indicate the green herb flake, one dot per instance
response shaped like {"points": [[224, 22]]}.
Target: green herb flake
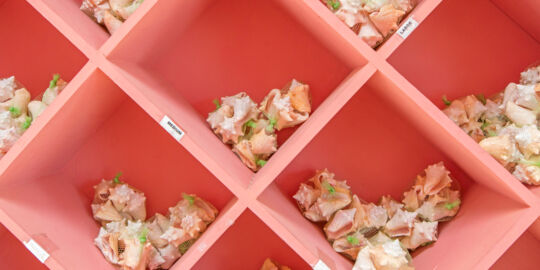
{"points": [[250, 124], [183, 248], [52, 83], [116, 178], [15, 112], [143, 237], [452, 205], [446, 101], [188, 198], [352, 240], [485, 124], [529, 162], [328, 187], [427, 243], [271, 125], [333, 4], [216, 102], [261, 162], [482, 98], [491, 133], [27, 123]]}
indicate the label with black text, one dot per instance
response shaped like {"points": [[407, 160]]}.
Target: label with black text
{"points": [[406, 29], [171, 128]]}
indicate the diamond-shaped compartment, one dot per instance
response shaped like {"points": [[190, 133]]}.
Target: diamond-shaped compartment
{"points": [[219, 48], [48, 195], [379, 149], [246, 244]]}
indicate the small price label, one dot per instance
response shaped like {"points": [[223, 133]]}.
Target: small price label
{"points": [[406, 29], [171, 128], [321, 266], [37, 250]]}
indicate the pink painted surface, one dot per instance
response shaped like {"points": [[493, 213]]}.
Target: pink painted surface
{"points": [[525, 13], [522, 255], [481, 51], [45, 52], [375, 124], [246, 245], [14, 254], [109, 136], [391, 152], [457, 56], [206, 42]]}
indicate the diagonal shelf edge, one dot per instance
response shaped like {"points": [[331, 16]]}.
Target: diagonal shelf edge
{"points": [[290, 149], [419, 14], [111, 43], [535, 227], [511, 236], [157, 114], [460, 139], [24, 237], [46, 116], [444, 127], [457, 143], [330, 19], [258, 209], [64, 28], [225, 220]]}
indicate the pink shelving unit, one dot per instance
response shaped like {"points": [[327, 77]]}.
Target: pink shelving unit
{"points": [[376, 123]]}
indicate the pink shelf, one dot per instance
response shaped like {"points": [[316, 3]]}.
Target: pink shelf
{"points": [[391, 152], [521, 255], [376, 123], [236, 249], [14, 255]]}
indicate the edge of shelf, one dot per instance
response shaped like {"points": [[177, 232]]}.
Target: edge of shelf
{"points": [[294, 145], [419, 14]]}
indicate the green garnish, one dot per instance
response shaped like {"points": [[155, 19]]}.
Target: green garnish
{"points": [[261, 162], [487, 133], [15, 112], [53, 82], [452, 205], [116, 178], [27, 123], [271, 125], [247, 124], [528, 162], [188, 198], [216, 102], [328, 187], [427, 243], [143, 237], [446, 101], [251, 124], [352, 240], [333, 4], [183, 248], [481, 98], [485, 124]]}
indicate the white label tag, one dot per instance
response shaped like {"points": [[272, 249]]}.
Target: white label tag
{"points": [[321, 266], [406, 29], [37, 250], [172, 128]]}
